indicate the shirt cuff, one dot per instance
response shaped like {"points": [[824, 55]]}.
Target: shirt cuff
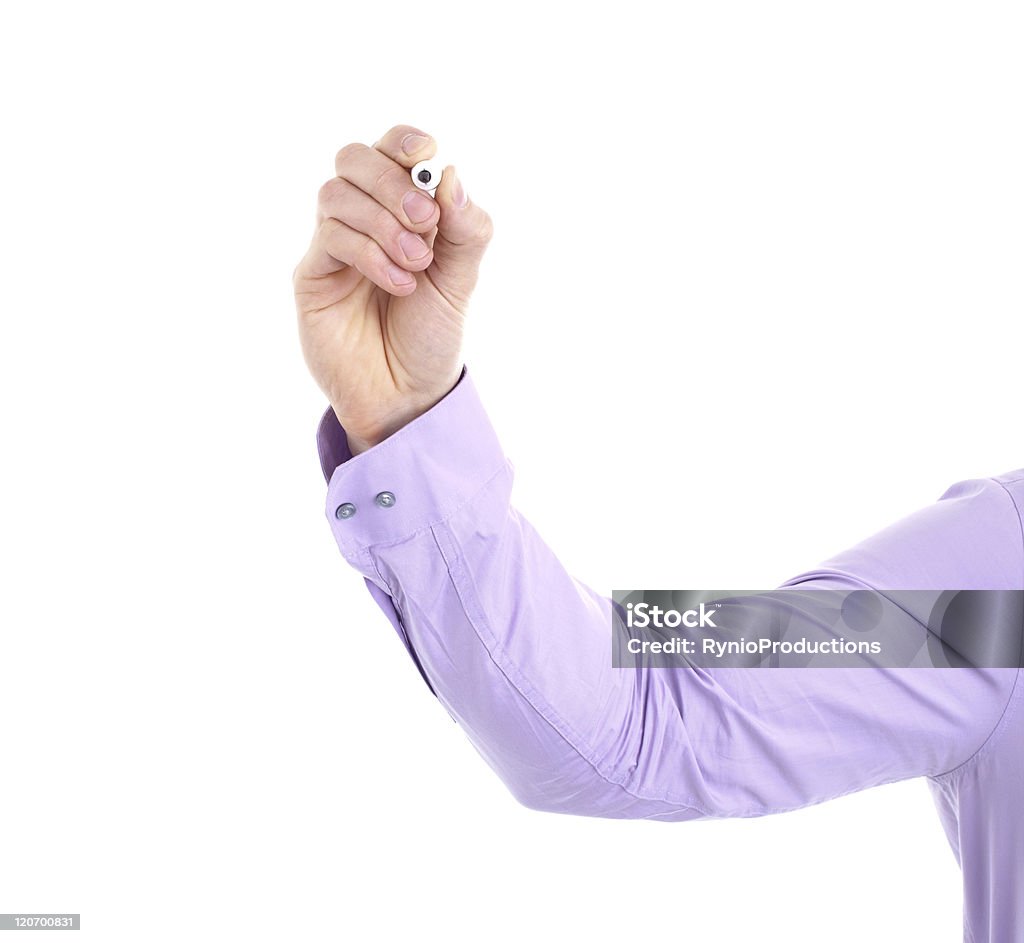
{"points": [[415, 478]]}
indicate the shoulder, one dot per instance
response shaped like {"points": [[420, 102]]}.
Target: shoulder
{"points": [[970, 537], [1012, 482]]}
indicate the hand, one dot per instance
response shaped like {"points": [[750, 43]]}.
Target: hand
{"points": [[383, 290]]}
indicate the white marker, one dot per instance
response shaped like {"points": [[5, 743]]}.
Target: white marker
{"points": [[427, 174]]}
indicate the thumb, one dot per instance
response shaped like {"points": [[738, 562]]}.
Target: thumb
{"points": [[464, 231]]}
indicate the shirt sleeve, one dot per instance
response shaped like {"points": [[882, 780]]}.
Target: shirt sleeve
{"points": [[518, 650]]}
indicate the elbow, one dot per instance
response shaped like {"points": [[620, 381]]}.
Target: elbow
{"points": [[556, 780], [579, 788]]}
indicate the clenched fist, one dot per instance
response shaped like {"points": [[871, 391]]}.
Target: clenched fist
{"points": [[383, 290]]}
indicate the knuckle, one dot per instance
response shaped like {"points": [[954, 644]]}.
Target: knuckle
{"points": [[348, 151], [326, 230], [389, 177], [485, 230], [367, 256], [384, 222], [330, 191]]}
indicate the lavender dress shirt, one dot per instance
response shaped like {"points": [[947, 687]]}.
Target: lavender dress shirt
{"points": [[518, 652]]}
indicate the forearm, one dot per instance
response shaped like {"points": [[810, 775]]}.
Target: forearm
{"points": [[515, 648]]}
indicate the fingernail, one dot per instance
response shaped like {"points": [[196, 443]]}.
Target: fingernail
{"points": [[412, 142], [413, 247], [400, 276], [418, 207], [458, 193]]}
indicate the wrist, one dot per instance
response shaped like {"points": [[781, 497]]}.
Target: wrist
{"points": [[357, 445], [363, 436], [361, 439]]}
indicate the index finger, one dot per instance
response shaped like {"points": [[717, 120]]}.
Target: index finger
{"points": [[407, 145]]}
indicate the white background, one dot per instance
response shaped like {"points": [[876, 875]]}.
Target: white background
{"points": [[788, 235]]}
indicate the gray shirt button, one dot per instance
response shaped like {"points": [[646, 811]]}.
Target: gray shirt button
{"points": [[344, 511], [385, 499]]}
